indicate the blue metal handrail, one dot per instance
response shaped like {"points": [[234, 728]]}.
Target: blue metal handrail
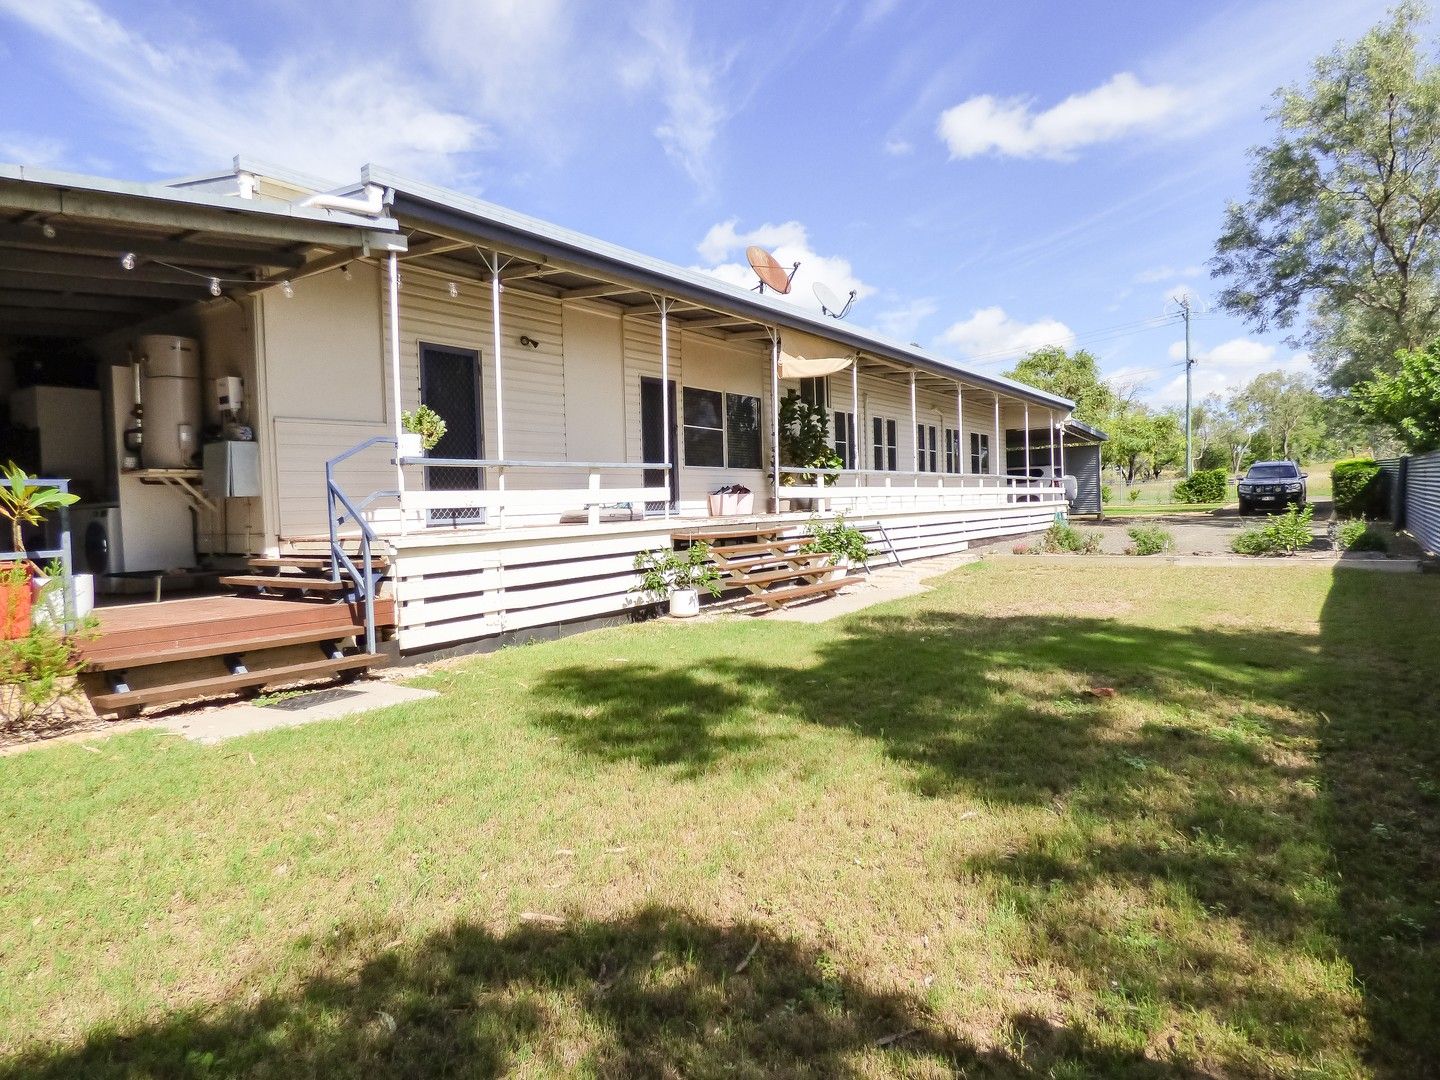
{"points": [[49, 554], [364, 580]]}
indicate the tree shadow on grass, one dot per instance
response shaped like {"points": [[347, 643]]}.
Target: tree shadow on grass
{"points": [[1201, 805], [658, 994]]}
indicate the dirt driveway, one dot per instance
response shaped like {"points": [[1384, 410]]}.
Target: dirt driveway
{"points": [[1195, 534]]}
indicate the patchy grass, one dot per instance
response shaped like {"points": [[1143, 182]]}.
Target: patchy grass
{"points": [[908, 842], [1153, 509]]}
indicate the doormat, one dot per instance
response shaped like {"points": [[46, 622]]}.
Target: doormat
{"points": [[311, 698]]}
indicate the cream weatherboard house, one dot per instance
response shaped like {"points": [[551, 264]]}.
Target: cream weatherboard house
{"points": [[594, 398]]}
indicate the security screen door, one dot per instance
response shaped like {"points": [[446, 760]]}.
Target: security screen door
{"points": [[450, 384]]}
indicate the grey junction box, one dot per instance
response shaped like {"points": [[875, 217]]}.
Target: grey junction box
{"points": [[232, 470]]}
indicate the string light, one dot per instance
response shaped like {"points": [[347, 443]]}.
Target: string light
{"points": [[454, 290], [214, 286], [128, 260], [288, 290], [345, 273], [48, 231]]}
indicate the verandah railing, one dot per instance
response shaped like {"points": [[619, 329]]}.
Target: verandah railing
{"points": [[869, 490]]}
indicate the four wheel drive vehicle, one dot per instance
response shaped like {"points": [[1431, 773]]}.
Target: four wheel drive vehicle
{"points": [[1272, 484]]}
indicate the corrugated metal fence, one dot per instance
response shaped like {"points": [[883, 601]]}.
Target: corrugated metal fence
{"points": [[1419, 479]]}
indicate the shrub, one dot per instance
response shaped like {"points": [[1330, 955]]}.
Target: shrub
{"points": [[1205, 486], [1357, 488], [1062, 537], [839, 540], [666, 571], [38, 671], [1151, 540], [1282, 535], [1358, 536], [1107, 493], [1133, 494]]}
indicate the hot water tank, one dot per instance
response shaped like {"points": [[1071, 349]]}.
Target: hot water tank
{"points": [[170, 396]]}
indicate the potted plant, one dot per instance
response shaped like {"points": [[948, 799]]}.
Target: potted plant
{"points": [[678, 575], [423, 430], [844, 543], [22, 502], [805, 442]]}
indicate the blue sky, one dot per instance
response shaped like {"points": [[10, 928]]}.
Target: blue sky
{"points": [[989, 177]]}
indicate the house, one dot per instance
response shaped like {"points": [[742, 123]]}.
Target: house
{"points": [[594, 398]]}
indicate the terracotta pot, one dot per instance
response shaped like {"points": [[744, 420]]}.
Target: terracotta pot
{"points": [[15, 604]]}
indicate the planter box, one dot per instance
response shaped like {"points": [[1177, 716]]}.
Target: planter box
{"points": [[731, 505]]}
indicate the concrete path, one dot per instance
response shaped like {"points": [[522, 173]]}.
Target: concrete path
{"points": [[327, 703]]}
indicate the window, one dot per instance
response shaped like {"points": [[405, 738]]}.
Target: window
{"points": [[979, 452], [742, 431], [926, 448], [721, 429], [886, 444], [845, 448], [704, 428], [952, 451], [815, 392]]}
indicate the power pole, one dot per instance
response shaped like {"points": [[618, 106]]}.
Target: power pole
{"points": [[1184, 302]]}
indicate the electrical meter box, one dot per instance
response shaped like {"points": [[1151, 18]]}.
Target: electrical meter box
{"points": [[232, 470]]}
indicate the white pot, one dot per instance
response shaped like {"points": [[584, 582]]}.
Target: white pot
{"points": [[684, 603], [411, 445]]}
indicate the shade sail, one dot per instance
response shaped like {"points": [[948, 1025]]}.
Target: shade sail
{"points": [[805, 356]]}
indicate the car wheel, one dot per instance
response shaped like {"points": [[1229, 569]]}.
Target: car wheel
{"points": [[1244, 508]]}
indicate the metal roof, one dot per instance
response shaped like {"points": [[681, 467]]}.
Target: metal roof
{"points": [[1086, 430], [520, 233]]}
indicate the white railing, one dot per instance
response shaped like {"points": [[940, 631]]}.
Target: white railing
{"points": [[871, 490], [502, 503]]}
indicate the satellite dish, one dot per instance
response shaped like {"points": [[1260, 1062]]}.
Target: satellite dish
{"points": [[830, 303], [768, 269]]}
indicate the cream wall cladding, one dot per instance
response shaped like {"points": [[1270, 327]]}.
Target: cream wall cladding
{"points": [[594, 385], [733, 368]]}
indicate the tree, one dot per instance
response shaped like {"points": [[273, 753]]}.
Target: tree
{"points": [[1071, 375], [1285, 406], [1409, 400], [1341, 223]]}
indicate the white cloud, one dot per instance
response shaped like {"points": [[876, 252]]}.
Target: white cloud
{"points": [[1223, 369], [789, 243], [24, 149], [899, 147], [1008, 127], [901, 323], [688, 82], [990, 334], [194, 99], [1161, 273]]}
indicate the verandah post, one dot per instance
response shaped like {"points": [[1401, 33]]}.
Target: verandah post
{"points": [[393, 281], [495, 289], [669, 479], [775, 411]]}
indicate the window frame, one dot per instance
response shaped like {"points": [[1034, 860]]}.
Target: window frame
{"points": [[953, 460], [724, 429], [885, 443], [926, 448], [980, 451], [842, 438]]}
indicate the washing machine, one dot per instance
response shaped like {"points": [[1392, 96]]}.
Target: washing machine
{"points": [[95, 541]]}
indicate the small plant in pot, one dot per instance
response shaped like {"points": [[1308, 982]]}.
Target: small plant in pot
{"points": [[844, 543], [678, 576], [22, 502], [423, 430]]}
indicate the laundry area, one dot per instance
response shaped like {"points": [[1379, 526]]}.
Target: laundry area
{"points": [[129, 365]]}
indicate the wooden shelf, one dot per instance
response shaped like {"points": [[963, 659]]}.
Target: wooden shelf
{"points": [[186, 481]]}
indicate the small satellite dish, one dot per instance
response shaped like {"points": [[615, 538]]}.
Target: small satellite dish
{"points": [[830, 303], [768, 269]]}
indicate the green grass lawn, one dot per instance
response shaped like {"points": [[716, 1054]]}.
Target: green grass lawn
{"points": [[904, 843]]}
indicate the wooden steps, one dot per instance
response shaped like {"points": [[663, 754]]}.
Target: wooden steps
{"points": [[767, 577], [301, 583], [776, 598], [123, 700], [198, 647], [312, 563]]}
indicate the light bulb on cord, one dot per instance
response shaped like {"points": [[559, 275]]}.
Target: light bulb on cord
{"points": [[288, 290], [454, 290], [214, 286], [345, 273], [48, 231], [128, 260]]}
